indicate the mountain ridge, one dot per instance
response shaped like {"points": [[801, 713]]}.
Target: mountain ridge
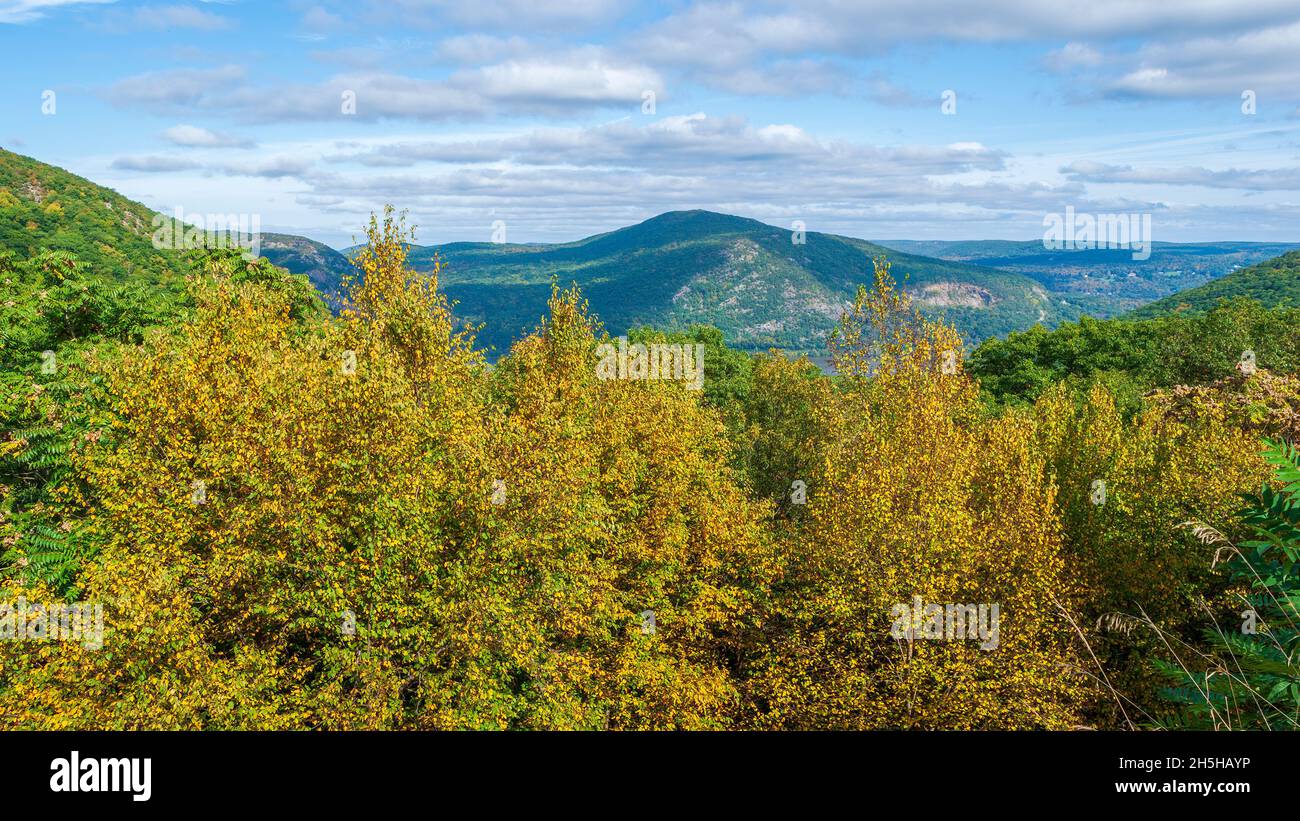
{"points": [[1274, 283], [45, 207], [763, 285], [751, 279]]}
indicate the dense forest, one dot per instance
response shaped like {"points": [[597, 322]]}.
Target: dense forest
{"points": [[1274, 282], [298, 518]]}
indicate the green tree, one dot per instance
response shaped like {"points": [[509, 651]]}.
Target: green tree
{"points": [[1247, 676]]}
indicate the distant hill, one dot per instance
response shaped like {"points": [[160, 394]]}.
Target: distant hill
{"points": [[45, 207], [744, 276], [689, 267], [1107, 280], [1274, 283], [994, 251], [320, 263]]}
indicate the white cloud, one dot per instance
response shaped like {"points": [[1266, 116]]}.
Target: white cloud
{"points": [[864, 25], [691, 144], [321, 20], [480, 48], [177, 89], [582, 80], [274, 168], [1266, 61], [120, 20], [155, 164], [1072, 56], [194, 137], [541, 82], [1208, 45], [25, 11], [162, 18], [500, 13], [1269, 179]]}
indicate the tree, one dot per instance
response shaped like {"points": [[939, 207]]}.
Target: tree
{"points": [[917, 495], [1248, 676]]}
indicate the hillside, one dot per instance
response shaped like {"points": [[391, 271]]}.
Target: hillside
{"points": [[1108, 280], [1274, 283], [320, 263], [43, 207], [689, 267], [744, 276]]}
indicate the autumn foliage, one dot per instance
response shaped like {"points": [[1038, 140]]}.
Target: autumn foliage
{"points": [[305, 521]]}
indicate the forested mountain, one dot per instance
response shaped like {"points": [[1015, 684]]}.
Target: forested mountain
{"points": [[1108, 281], [1274, 283], [324, 266], [45, 208], [751, 279]]}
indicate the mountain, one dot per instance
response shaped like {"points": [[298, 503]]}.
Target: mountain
{"points": [[746, 277], [1274, 283], [43, 207], [689, 267], [1108, 280], [325, 267]]}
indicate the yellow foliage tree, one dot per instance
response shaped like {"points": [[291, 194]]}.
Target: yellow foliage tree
{"points": [[1127, 491], [918, 496], [307, 521], [353, 524]]}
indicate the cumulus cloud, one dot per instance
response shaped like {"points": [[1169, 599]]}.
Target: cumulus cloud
{"points": [[1266, 61], [154, 164], [732, 46], [1272, 179], [190, 136], [583, 80], [26, 11]]}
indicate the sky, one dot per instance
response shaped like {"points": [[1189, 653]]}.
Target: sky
{"points": [[557, 120]]}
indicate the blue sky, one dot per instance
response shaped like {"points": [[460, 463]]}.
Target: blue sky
{"points": [[824, 111]]}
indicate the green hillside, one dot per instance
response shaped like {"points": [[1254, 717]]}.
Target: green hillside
{"points": [[1107, 280], [1194, 337], [744, 276], [320, 263], [1273, 283], [45, 208]]}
